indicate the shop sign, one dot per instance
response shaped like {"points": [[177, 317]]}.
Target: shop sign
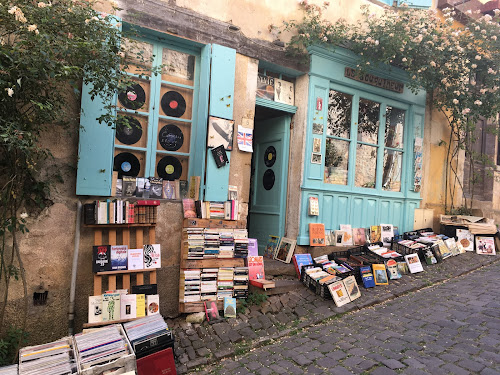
{"points": [[373, 80]]}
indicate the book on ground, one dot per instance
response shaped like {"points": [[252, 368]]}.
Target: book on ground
{"points": [[413, 262], [466, 239], [229, 307], [339, 293], [380, 274], [367, 276], [485, 245], [256, 268], [352, 288], [285, 250], [300, 260], [272, 245]]}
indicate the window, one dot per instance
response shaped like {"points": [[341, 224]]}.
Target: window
{"points": [[371, 139]]}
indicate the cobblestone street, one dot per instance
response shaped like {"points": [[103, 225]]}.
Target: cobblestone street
{"points": [[448, 328]]}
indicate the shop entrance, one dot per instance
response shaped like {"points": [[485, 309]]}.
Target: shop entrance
{"points": [[268, 186]]}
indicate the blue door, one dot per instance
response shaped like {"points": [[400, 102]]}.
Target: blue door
{"points": [[269, 179]]}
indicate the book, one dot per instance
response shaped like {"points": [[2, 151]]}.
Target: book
{"points": [[156, 187], [189, 208], [339, 238], [347, 238], [146, 289], [316, 234], [229, 307], [211, 311], [387, 233], [256, 267], [443, 249], [128, 186], [253, 248], [429, 257], [135, 259], [140, 304], [403, 268], [272, 245], [220, 156], [285, 250], [119, 257], [194, 188], [183, 189], [380, 274], [159, 362], [168, 191], [95, 309], [339, 293], [128, 306], [352, 287], [265, 87], [101, 258], [232, 193], [393, 270], [139, 189], [110, 307], [466, 239], [152, 256], [451, 244], [367, 276], [485, 245], [413, 262], [153, 304], [263, 283], [313, 206], [359, 236], [300, 260], [375, 234]]}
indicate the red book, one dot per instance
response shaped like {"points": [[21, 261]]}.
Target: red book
{"points": [[256, 268], [153, 202], [316, 234], [131, 213], [161, 362]]}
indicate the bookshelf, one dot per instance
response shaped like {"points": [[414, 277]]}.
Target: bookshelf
{"points": [[191, 307], [121, 234]]}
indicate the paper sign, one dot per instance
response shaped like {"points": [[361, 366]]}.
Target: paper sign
{"points": [[245, 136]]}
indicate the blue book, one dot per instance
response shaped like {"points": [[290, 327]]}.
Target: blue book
{"points": [[119, 260], [300, 260], [229, 307], [367, 276]]}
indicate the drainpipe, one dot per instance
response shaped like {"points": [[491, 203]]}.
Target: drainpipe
{"points": [[71, 312]]}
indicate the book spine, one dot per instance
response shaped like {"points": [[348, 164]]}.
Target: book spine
{"points": [[131, 218]]}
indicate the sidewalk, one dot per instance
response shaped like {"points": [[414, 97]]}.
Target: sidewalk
{"points": [[281, 315]]}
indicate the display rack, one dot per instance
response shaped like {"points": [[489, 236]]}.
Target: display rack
{"points": [[191, 307], [121, 234]]}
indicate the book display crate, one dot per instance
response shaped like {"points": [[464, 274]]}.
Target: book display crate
{"points": [[200, 264], [122, 234]]}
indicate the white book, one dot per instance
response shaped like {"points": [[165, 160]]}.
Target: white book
{"points": [[128, 306], [387, 233], [339, 293], [135, 259], [413, 262], [95, 309], [152, 256], [347, 238], [466, 239], [153, 304]]}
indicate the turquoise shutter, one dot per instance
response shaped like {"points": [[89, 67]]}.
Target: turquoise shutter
{"points": [[95, 147], [221, 105], [416, 3]]}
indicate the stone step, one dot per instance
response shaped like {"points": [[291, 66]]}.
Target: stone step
{"points": [[282, 286], [274, 267]]}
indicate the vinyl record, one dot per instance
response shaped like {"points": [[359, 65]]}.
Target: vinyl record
{"points": [[173, 104], [171, 137], [169, 168], [128, 130], [126, 164], [270, 156], [133, 97], [268, 179]]}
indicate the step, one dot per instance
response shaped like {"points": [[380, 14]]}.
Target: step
{"points": [[274, 267], [282, 286]]}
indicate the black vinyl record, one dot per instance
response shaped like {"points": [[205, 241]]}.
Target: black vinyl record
{"points": [[173, 104], [126, 164], [169, 168], [268, 179], [128, 130], [270, 156], [171, 137], [133, 97]]}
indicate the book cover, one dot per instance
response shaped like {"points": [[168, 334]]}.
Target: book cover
{"points": [[313, 206], [285, 250], [375, 234], [119, 257], [153, 304], [229, 307], [211, 311], [265, 87], [135, 259], [413, 262], [183, 189], [140, 304], [466, 239], [256, 267], [367, 276], [387, 233], [283, 92], [380, 274], [300, 260], [161, 362], [168, 191], [146, 289], [101, 258], [95, 309], [339, 293], [253, 248], [110, 307], [232, 193], [316, 234], [403, 268], [352, 288], [359, 236], [347, 238], [393, 270], [451, 244], [128, 306], [338, 237], [272, 245], [189, 208], [194, 187], [156, 187], [485, 245], [147, 202], [443, 249], [220, 156], [128, 186], [139, 189], [429, 256], [152, 256]]}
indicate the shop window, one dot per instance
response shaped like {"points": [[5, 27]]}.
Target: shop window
{"points": [[409, 3]]}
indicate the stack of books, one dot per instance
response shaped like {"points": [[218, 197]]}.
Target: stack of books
{"points": [[240, 243], [190, 284], [226, 243], [209, 284], [101, 346], [216, 210], [240, 282], [195, 241], [211, 248], [148, 335], [121, 211], [225, 284], [56, 357]]}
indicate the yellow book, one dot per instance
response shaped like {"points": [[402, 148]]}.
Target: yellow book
{"points": [[380, 274], [141, 305]]}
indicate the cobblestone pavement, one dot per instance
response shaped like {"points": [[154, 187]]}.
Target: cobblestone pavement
{"points": [[448, 328]]}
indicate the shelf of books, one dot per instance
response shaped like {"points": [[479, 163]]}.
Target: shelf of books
{"points": [[119, 268], [213, 256]]}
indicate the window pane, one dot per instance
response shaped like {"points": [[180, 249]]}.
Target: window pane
{"points": [[368, 121], [178, 67], [336, 161], [394, 124], [139, 56], [339, 114], [366, 166], [391, 178]]}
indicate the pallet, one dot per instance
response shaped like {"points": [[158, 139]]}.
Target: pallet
{"points": [[214, 223]]}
